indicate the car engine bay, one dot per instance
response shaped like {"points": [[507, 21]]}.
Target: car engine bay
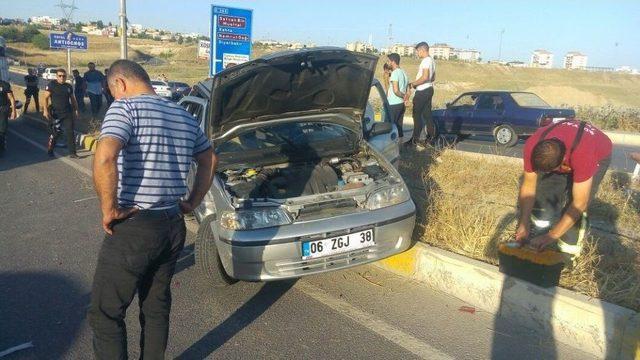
{"points": [[289, 180]]}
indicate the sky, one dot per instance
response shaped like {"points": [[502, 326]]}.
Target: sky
{"points": [[607, 32]]}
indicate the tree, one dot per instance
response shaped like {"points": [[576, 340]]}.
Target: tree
{"points": [[40, 41], [180, 40], [100, 24]]}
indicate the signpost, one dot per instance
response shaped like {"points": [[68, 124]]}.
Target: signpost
{"points": [[204, 49], [69, 41], [230, 37]]}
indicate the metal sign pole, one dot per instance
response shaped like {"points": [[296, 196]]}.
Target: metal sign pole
{"points": [[68, 61], [123, 28]]}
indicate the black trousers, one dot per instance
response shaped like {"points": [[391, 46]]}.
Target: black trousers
{"points": [[397, 116], [5, 111], [554, 195], [96, 103], [67, 120], [139, 257], [422, 114], [80, 99], [28, 94]]}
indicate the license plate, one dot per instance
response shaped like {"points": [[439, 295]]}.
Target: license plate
{"points": [[337, 245]]}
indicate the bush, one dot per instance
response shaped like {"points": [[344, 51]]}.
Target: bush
{"points": [[16, 34], [40, 41]]}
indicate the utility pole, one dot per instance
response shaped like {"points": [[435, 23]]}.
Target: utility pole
{"points": [[67, 11], [500, 47], [123, 29]]}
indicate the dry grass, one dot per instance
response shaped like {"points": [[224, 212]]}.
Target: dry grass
{"points": [[468, 206]]}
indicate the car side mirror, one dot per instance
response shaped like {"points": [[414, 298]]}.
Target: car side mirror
{"points": [[18, 104], [448, 105], [381, 128]]}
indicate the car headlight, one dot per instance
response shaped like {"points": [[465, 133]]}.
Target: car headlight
{"points": [[388, 196], [254, 219]]}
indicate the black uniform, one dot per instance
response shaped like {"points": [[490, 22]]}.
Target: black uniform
{"points": [[79, 91], [61, 110], [31, 82], [5, 110]]}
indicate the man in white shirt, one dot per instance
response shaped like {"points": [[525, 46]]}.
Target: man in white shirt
{"points": [[424, 94]]}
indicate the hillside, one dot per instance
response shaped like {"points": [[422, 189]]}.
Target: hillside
{"points": [[558, 87]]}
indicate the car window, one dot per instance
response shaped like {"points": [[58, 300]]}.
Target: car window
{"points": [[375, 106], [193, 109], [490, 102], [160, 83], [468, 100], [529, 100]]}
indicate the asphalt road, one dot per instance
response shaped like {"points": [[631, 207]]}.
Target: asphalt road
{"points": [[50, 236]]}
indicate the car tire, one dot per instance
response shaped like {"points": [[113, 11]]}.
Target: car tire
{"points": [[504, 135], [208, 259]]}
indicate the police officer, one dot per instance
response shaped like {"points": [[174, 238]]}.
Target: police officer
{"points": [[564, 164], [31, 82], [64, 107], [7, 110]]}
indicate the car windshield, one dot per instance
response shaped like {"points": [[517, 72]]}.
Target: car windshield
{"points": [[529, 100], [301, 141], [158, 83]]}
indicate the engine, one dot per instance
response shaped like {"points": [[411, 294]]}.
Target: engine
{"points": [[293, 180]]}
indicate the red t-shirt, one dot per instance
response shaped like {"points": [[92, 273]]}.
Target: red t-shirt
{"points": [[593, 147]]}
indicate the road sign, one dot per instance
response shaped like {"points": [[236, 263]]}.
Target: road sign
{"points": [[230, 37], [68, 40], [204, 49]]}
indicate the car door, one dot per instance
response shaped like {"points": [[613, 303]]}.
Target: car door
{"points": [[197, 107], [459, 114], [488, 113], [377, 126]]}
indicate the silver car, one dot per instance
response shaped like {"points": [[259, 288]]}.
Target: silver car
{"points": [[305, 181]]}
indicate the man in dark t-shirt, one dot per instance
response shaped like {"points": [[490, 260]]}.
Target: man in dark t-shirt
{"points": [[80, 87], [31, 91], [564, 164], [7, 110], [64, 108]]}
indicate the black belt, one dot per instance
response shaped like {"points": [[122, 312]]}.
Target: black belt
{"points": [[166, 214]]}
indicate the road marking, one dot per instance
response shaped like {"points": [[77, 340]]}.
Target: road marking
{"points": [[380, 327], [71, 163]]}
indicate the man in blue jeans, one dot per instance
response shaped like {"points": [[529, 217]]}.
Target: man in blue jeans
{"points": [[94, 80], [397, 89]]}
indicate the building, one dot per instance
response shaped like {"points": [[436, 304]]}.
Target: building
{"points": [[598, 68], [360, 47], [441, 51], [403, 50], [516, 64], [575, 60], [542, 59], [469, 55], [628, 70], [44, 20], [135, 28]]}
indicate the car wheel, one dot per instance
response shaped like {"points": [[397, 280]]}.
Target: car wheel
{"points": [[505, 136], [208, 259]]}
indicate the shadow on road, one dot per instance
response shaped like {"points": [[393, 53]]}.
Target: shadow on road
{"points": [[268, 295], [42, 308]]}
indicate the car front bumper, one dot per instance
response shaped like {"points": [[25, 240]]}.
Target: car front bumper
{"points": [[276, 253]]}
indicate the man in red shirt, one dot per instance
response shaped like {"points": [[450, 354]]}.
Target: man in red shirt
{"points": [[564, 164]]}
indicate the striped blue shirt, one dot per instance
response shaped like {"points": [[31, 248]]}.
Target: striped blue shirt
{"points": [[160, 138]]}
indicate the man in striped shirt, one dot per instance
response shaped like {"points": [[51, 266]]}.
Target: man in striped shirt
{"points": [[140, 168]]}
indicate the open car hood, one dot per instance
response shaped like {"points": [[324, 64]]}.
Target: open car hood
{"points": [[289, 84]]}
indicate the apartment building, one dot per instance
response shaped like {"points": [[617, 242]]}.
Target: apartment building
{"points": [[575, 60], [542, 59]]}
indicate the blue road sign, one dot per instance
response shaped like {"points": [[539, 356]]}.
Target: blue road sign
{"points": [[230, 37], [68, 40]]}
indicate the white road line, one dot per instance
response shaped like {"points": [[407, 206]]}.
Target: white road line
{"points": [[74, 165], [380, 327]]}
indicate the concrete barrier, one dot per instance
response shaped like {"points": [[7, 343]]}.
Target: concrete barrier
{"points": [[596, 327]]}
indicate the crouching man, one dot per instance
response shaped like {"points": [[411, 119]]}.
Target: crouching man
{"points": [[564, 164]]}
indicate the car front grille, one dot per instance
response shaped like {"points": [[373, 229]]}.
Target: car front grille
{"points": [[284, 268]]}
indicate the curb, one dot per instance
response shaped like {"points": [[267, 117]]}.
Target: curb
{"points": [[83, 141], [596, 327]]}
